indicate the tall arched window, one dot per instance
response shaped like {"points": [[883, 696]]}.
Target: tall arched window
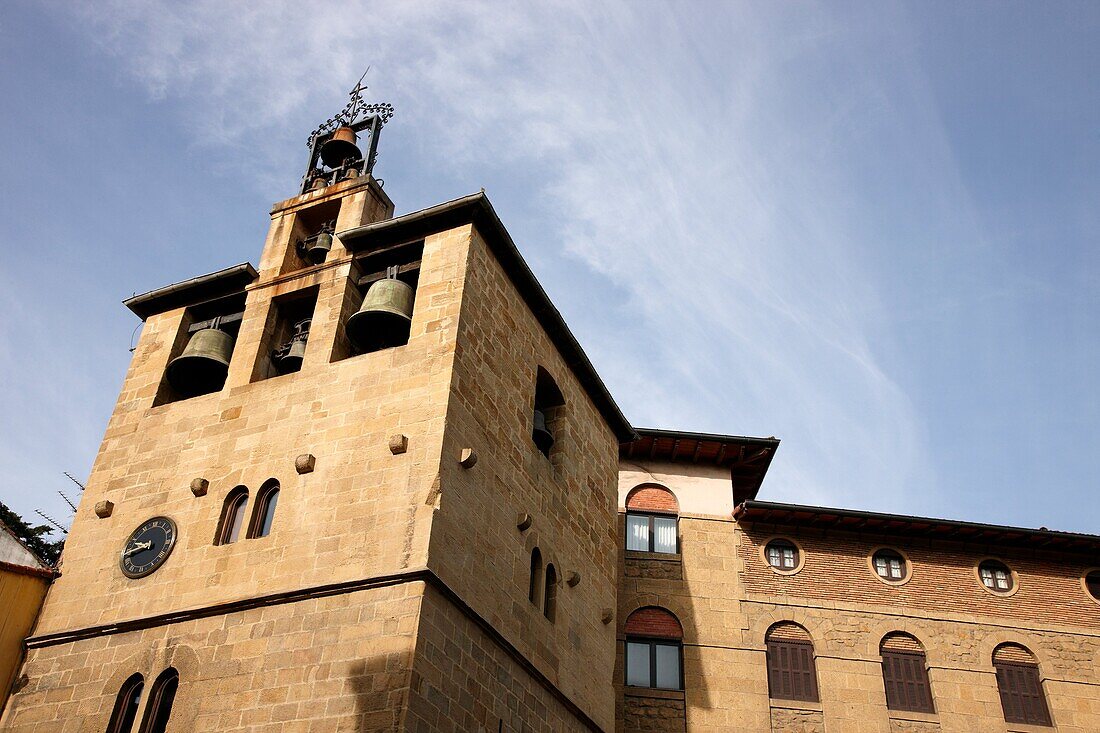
{"points": [[126, 705], [535, 588], [550, 597], [264, 513], [233, 510], [792, 674], [1020, 686], [654, 649], [161, 697], [548, 402], [651, 513], [905, 674]]}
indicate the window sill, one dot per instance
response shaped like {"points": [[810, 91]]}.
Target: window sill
{"points": [[913, 716], [1028, 728], [796, 705], [653, 692], [659, 556]]}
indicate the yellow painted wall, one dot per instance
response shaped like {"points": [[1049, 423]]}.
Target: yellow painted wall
{"points": [[20, 598]]}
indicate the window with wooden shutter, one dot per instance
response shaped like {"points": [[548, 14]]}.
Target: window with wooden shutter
{"points": [[905, 674], [1020, 686], [791, 673]]}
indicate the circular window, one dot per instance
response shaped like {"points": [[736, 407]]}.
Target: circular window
{"points": [[783, 555], [996, 576], [1092, 584], [890, 565]]}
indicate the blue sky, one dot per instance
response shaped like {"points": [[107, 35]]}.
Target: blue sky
{"points": [[869, 229]]}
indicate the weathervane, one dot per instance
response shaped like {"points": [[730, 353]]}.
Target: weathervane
{"points": [[334, 154]]}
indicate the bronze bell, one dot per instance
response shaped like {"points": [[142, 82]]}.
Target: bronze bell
{"points": [[340, 147], [290, 355], [542, 437], [202, 366], [385, 316], [318, 249]]}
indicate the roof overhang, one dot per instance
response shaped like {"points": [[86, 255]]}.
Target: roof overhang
{"points": [[815, 517], [746, 458], [476, 209], [191, 292]]}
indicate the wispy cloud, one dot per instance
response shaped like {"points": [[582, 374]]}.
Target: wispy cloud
{"points": [[697, 163]]}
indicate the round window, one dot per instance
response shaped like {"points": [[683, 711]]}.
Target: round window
{"points": [[1092, 583], [782, 554], [889, 565], [995, 576]]}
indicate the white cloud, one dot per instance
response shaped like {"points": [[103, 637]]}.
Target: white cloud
{"points": [[695, 159]]}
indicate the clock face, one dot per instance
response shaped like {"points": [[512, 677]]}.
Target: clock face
{"points": [[148, 547]]}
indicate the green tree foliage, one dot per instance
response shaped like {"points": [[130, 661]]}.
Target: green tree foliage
{"points": [[36, 538]]}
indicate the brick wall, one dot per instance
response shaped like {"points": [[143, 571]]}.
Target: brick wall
{"points": [[653, 499], [655, 622]]}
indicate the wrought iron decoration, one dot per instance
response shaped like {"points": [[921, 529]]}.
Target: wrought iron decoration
{"points": [[360, 117]]}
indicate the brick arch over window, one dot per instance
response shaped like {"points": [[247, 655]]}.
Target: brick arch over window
{"points": [[899, 641], [654, 622], [788, 631], [1014, 654], [652, 498]]}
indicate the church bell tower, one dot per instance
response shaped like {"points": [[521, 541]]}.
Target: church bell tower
{"points": [[366, 485]]}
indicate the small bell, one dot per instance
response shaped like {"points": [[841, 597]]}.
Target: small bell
{"points": [[204, 363], [340, 147], [291, 355], [317, 250], [385, 316], [542, 437]]}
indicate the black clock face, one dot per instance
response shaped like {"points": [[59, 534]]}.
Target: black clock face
{"points": [[148, 547]]}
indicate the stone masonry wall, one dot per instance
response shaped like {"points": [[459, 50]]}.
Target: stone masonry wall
{"points": [[362, 511], [340, 663], [476, 546]]}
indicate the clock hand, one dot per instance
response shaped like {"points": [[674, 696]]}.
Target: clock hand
{"points": [[138, 548]]}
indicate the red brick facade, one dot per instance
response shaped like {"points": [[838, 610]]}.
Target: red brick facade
{"points": [[655, 622], [652, 499]]}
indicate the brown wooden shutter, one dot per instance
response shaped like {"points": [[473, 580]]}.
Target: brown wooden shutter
{"points": [[905, 675], [1021, 693], [791, 674]]}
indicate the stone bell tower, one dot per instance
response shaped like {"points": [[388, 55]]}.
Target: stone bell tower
{"points": [[367, 485]]}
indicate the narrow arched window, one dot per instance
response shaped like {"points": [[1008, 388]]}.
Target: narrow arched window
{"points": [[126, 705], [654, 649], [232, 519], [161, 697], [536, 577], [905, 674], [550, 597], [792, 674], [547, 414], [1020, 685], [651, 514], [264, 513]]}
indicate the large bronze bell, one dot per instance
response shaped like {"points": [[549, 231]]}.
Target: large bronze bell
{"points": [[340, 147], [542, 437], [318, 249], [385, 316], [202, 366]]}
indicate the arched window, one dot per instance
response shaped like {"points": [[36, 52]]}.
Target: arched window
{"points": [[535, 587], [548, 402], [905, 674], [791, 671], [654, 649], [550, 597], [161, 697], [229, 526], [651, 514], [126, 705], [264, 512], [1020, 686]]}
